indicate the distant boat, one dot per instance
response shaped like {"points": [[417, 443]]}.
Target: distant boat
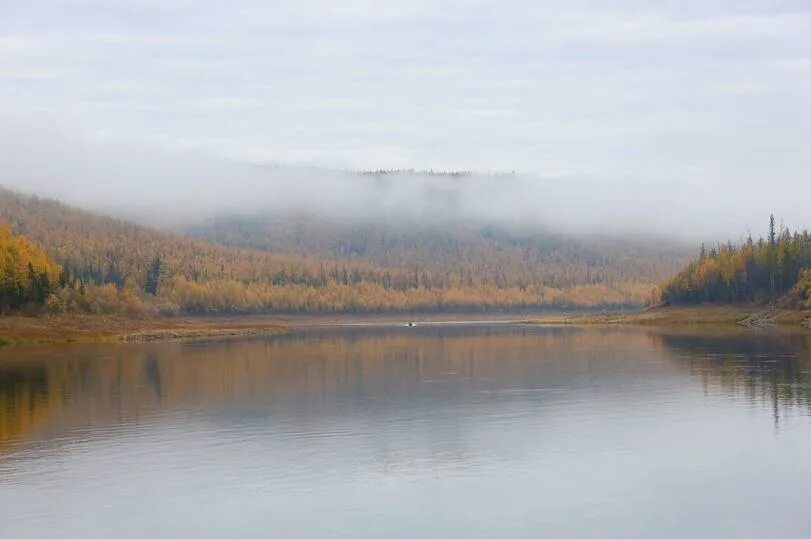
{"points": [[411, 324]]}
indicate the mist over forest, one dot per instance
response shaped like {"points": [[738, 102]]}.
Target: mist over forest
{"points": [[178, 188]]}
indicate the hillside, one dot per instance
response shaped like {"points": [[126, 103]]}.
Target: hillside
{"points": [[110, 265], [461, 252]]}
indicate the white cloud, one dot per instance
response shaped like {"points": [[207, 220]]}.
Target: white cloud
{"points": [[609, 27]]}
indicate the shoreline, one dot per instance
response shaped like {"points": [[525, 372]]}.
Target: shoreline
{"points": [[89, 329], [752, 316], [86, 329], [24, 331]]}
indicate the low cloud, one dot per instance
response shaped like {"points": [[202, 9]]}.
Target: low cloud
{"points": [[179, 187]]}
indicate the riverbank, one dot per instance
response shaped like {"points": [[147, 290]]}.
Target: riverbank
{"points": [[744, 314], [63, 329], [19, 330]]}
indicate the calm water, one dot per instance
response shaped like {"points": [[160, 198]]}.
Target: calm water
{"points": [[453, 431]]}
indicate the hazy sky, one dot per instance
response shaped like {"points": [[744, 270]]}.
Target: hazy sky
{"points": [[704, 98]]}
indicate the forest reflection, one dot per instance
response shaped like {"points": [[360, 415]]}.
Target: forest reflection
{"points": [[46, 392], [764, 366]]}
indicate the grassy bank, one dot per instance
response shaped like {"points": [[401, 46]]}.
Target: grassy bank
{"points": [[693, 315], [18, 330]]}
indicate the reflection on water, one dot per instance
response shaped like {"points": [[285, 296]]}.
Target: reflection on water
{"points": [[759, 366], [439, 430]]}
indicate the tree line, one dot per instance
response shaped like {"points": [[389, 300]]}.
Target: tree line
{"points": [[758, 270]]}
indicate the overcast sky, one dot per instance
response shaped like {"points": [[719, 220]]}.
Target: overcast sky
{"points": [[707, 98]]}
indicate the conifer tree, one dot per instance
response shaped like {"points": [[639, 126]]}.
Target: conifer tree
{"points": [[153, 277]]}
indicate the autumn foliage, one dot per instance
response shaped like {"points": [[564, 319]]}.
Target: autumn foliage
{"points": [[112, 266], [753, 271], [27, 275]]}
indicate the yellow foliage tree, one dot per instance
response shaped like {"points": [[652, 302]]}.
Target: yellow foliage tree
{"points": [[27, 275]]}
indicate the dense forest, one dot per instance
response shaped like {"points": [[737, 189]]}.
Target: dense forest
{"points": [[754, 271], [107, 265], [466, 252]]}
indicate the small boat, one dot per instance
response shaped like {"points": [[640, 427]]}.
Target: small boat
{"points": [[411, 324]]}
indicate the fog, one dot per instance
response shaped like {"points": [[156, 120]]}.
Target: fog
{"points": [[176, 188], [685, 120]]}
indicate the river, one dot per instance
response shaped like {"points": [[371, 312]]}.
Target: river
{"points": [[465, 430]]}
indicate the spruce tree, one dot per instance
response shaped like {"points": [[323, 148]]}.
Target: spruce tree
{"points": [[153, 276]]}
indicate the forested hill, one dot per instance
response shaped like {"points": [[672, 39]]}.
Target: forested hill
{"points": [[474, 253], [756, 271], [108, 265]]}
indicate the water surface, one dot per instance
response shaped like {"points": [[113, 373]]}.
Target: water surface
{"points": [[435, 431]]}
